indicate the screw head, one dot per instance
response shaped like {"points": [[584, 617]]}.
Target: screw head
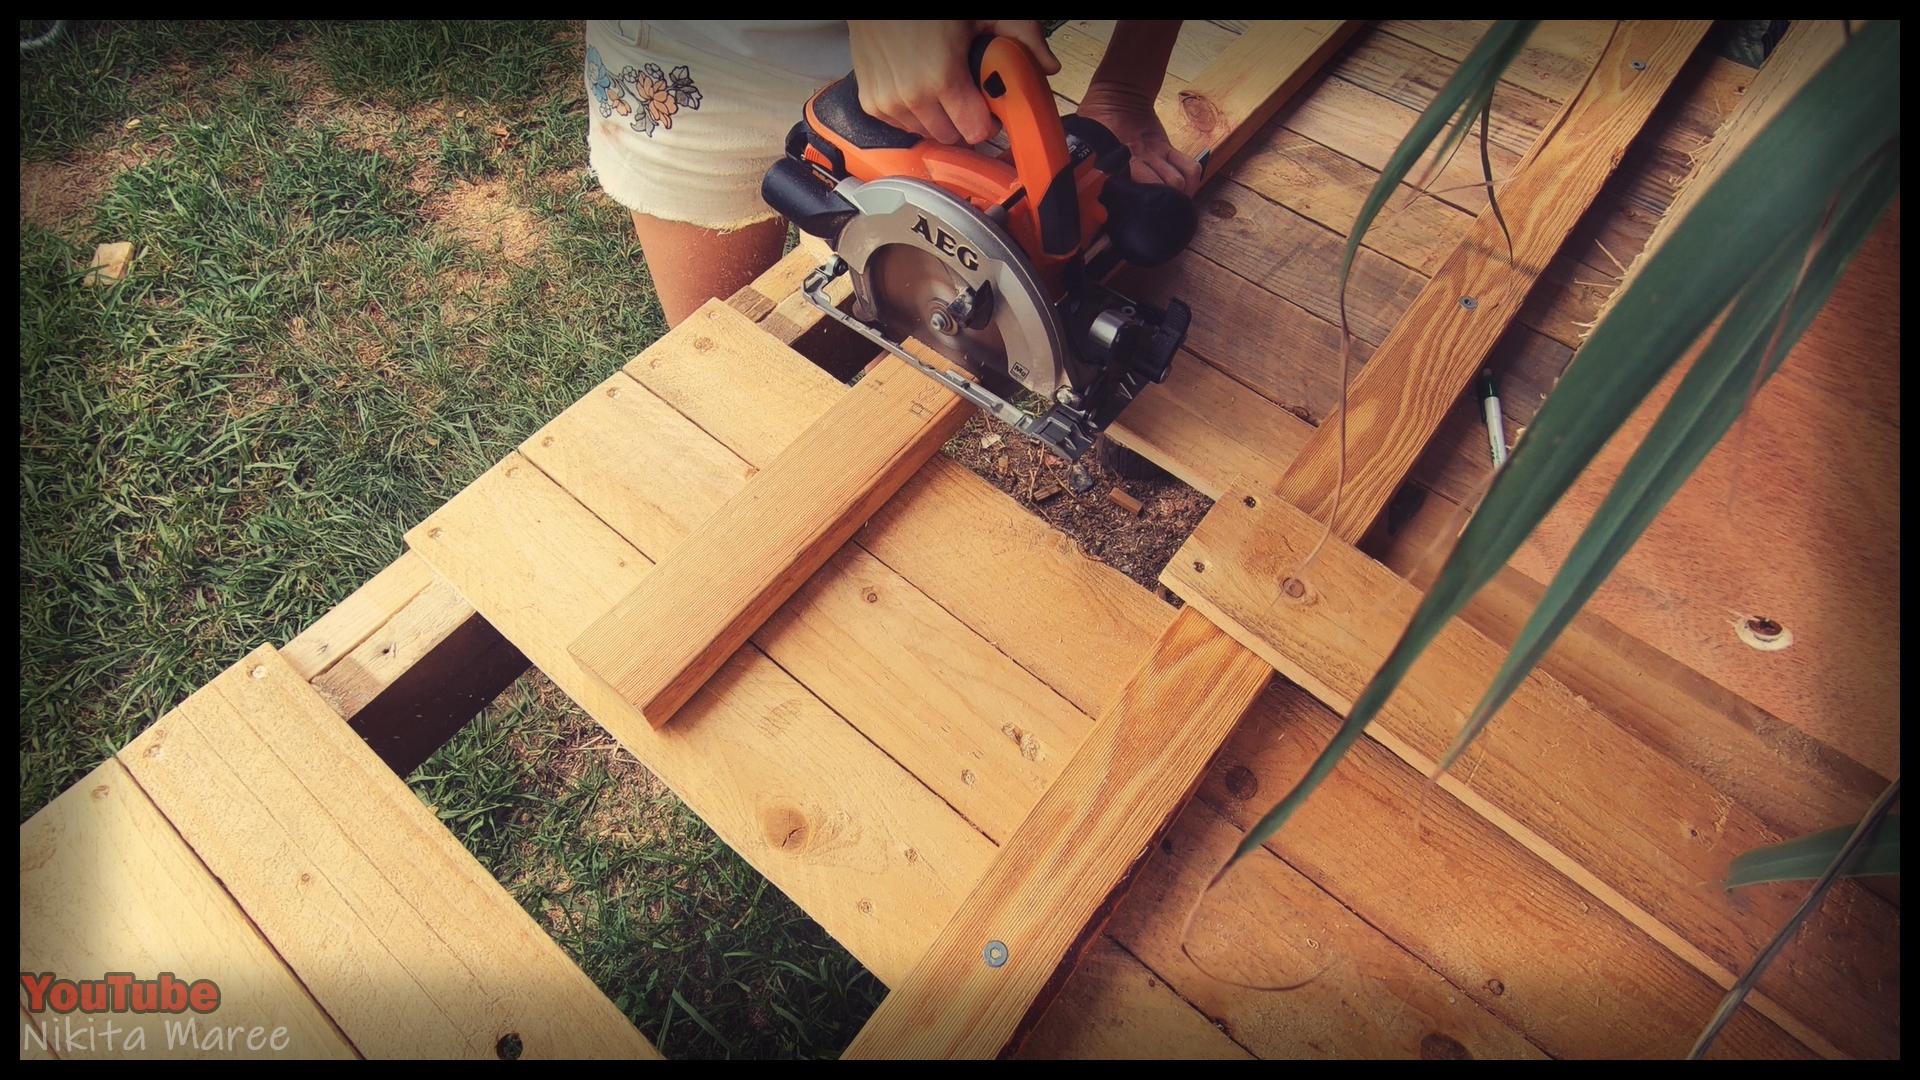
{"points": [[995, 954], [942, 322], [1469, 303], [1639, 65]]}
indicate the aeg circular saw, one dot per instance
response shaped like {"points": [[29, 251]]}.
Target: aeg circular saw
{"points": [[996, 264]]}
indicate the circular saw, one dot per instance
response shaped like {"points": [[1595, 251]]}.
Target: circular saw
{"points": [[994, 262]]}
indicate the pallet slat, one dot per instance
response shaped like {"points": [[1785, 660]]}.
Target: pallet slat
{"points": [[972, 994], [107, 885], [357, 885]]}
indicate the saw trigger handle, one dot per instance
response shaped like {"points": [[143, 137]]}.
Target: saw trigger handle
{"points": [[1020, 98]]}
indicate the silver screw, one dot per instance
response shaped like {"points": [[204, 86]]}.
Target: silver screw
{"points": [[942, 322], [995, 953], [1469, 303], [1639, 65]]}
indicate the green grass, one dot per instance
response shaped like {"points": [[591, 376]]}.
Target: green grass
{"points": [[305, 361]]}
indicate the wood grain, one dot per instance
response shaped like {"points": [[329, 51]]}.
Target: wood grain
{"points": [[810, 802], [107, 885], [407, 942], [1637, 830], [1059, 867], [1403, 392], [664, 640]]}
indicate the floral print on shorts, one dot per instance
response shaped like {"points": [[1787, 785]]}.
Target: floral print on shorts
{"points": [[647, 96]]}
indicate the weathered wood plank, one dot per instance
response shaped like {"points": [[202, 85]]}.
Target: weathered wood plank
{"points": [[1517, 936], [1406, 387], [1054, 875], [107, 885], [1639, 831], [355, 882]]}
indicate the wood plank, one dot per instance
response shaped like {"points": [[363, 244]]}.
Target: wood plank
{"points": [[664, 640], [1311, 938], [1115, 1008], [357, 884], [354, 619], [417, 680], [806, 799], [975, 727], [1566, 971], [106, 885], [1637, 830], [1247, 83], [1060, 867], [1401, 395]]}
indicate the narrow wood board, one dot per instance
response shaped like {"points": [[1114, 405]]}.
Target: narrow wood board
{"points": [[398, 932], [1237, 92], [972, 993], [1401, 395], [664, 640], [106, 885], [1640, 832]]}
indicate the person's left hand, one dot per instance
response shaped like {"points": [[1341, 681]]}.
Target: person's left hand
{"points": [[1130, 116]]}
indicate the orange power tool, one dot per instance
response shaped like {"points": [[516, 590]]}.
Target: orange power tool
{"points": [[995, 262]]}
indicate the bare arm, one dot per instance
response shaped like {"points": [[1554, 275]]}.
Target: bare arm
{"points": [[1121, 96]]}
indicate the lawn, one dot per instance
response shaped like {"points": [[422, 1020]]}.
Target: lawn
{"points": [[370, 260]]}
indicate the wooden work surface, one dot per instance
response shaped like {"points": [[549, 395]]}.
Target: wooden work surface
{"points": [[892, 724]]}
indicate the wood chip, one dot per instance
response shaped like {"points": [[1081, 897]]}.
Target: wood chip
{"points": [[1120, 498], [110, 263], [1045, 493], [990, 441]]}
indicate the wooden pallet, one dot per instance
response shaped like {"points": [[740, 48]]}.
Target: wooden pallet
{"points": [[880, 745]]}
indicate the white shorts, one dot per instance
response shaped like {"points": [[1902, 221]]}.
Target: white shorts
{"points": [[683, 119]]}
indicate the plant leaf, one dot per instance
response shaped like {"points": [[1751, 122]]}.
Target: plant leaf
{"points": [[1787, 177], [1844, 859], [1806, 857], [1745, 351], [1460, 98]]}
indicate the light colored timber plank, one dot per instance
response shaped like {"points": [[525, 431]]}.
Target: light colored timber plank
{"points": [[976, 728], [1565, 970], [806, 799], [1552, 63], [661, 642], [1311, 938], [1070, 619], [1636, 829], [1114, 1008], [1406, 387], [1241, 89], [107, 885], [356, 883], [354, 619], [1059, 868]]}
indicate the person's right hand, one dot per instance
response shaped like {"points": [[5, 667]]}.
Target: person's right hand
{"points": [[914, 74]]}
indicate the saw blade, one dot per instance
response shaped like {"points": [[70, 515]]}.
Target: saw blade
{"points": [[909, 286], [915, 248]]}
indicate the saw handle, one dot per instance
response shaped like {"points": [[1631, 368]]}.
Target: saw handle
{"points": [[1020, 98]]}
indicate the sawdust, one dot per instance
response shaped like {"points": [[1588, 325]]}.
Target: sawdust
{"points": [[486, 215], [1137, 546]]}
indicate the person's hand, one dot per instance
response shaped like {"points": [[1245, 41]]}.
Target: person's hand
{"points": [[1128, 113], [914, 74]]}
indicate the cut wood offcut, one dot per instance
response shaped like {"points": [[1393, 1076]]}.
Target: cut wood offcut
{"points": [[661, 643]]}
